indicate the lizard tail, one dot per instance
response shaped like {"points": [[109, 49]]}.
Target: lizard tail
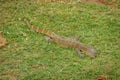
{"points": [[41, 30]]}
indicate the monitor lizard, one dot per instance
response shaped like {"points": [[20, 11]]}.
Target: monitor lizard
{"points": [[66, 42]]}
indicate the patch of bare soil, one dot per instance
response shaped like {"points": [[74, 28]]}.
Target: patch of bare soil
{"points": [[3, 41], [101, 2], [102, 77]]}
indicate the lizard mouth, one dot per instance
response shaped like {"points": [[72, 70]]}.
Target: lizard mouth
{"points": [[92, 53]]}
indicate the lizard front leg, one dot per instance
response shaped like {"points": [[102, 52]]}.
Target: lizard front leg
{"points": [[48, 39], [79, 53]]}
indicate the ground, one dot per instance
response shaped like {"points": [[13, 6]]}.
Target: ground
{"points": [[27, 56]]}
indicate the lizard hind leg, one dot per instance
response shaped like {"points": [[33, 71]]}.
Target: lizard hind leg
{"points": [[76, 38], [79, 53], [48, 39]]}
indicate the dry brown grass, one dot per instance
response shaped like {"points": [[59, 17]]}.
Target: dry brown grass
{"points": [[3, 41], [102, 77]]}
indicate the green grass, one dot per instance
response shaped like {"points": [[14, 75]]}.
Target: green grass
{"points": [[28, 56]]}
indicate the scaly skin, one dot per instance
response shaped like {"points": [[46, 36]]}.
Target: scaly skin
{"points": [[66, 42]]}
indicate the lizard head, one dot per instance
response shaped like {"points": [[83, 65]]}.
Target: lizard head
{"points": [[91, 52]]}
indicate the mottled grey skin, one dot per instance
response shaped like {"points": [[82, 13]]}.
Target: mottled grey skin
{"points": [[72, 43]]}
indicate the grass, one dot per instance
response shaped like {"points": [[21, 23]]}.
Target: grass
{"points": [[28, 56]]}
